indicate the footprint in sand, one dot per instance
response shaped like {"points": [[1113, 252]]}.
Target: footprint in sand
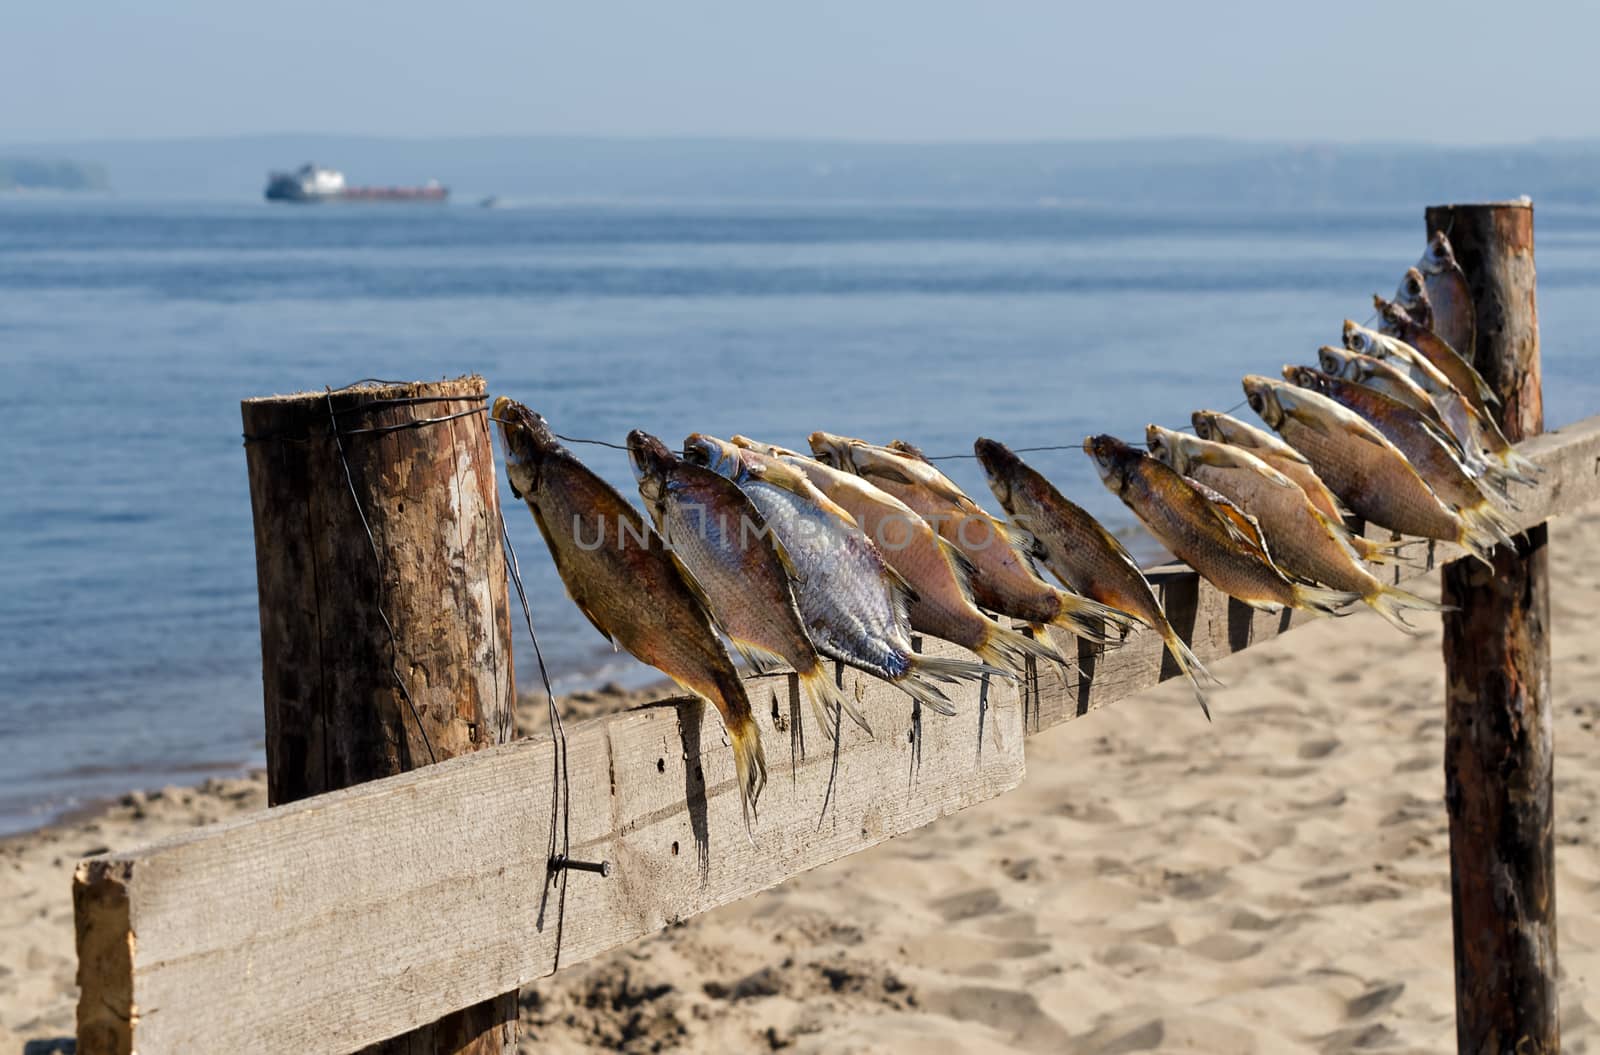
{"points": [[966, 905], [1011, 1012]]}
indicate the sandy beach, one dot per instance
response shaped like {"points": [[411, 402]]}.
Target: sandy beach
{"points": [[1277, 881]]}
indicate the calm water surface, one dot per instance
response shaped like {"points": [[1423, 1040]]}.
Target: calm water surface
{"points": [[129, 332]]}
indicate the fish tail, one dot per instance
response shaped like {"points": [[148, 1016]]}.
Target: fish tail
{"points": [[749, 758], [1091, 620], [1475, 541], [1391, 602], [1525, 465], [1389, 551], [829, 702], [1199, 677], [1320, 599], [1005, 647], [1519, 468], [1489, 522], [924, 675]]}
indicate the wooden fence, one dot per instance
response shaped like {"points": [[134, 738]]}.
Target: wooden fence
{"points": [[349, 917]]}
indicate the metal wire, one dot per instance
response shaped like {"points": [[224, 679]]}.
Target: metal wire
{"points": [[377, 558], [561, 788], [377, 404]]}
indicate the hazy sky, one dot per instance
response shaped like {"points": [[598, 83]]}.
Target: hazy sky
{"points": [[892, 69]]}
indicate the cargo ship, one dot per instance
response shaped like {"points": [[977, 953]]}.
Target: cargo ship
{"points": [[313, 183]]}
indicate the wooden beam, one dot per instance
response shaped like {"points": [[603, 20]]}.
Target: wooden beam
{"points": [[409, 896], [333, 922], [1499, 729]]}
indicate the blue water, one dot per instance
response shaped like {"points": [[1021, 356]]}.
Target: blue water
{"points": [[129, 332]]}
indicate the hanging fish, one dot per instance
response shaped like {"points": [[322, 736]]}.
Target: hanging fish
{"points": [[1303, 541], [1082, 553], [1399, 324], [853, 603], [618, 572], [1222, 428], [727, 553], [1431, 452], [1390, 379], [1454, 318], [1412, 295], [1455, 408], [1186, 522], [937, 572], [1003, 578], [1366, 471]]}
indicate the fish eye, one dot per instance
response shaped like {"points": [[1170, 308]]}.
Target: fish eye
{"points": [[1255, 402]]}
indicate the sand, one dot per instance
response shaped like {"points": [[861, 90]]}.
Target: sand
{"points": [[1277, 881]]}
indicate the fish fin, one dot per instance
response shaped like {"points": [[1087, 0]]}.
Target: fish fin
{"points": [[886, 474], [941, 485], [1020, 539], [1241, 526], [760, 660], [1226, 456], [1092, 620], [1449, 442], [782, 553], [1199, 677], [924, 674], [1317, 598], [905, 594], [960, 564], [1391, 601], [830, 703], [1523, 465], [926, 692], [1008, 648], [1479, 385], [749, 765], [1491, 522]]}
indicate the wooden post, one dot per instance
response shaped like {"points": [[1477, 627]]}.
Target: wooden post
{"points": [[385, 621], [1498, 724]]}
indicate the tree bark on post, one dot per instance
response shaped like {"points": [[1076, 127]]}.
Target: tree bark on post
{"points": [[385, 621], [1499, 749]]}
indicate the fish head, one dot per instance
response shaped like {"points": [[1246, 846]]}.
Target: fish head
{"points": [[1361, 340], [651, 461], [1439, 257], [1393, 314], [720, 456], [1307, 377], [1113, 459], [1000, 467], [527, 439], [1413, 290], [1207, 425], [1262, 394], [833, 450], [1164, 445], [1336, 362]]}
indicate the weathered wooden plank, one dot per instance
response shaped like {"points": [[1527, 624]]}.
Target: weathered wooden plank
{"points": [[340, 920], [292, 917], [1217, 626]]}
